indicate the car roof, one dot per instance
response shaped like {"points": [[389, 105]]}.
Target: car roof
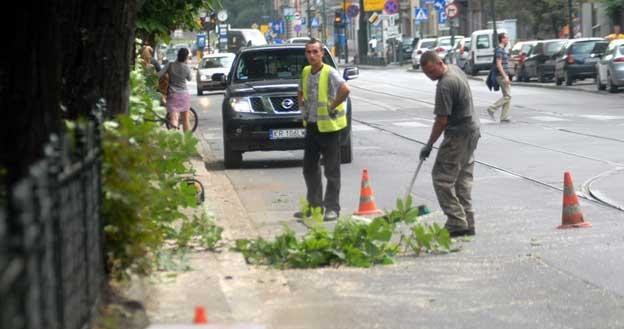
{"points": [[219, 55], [276, 47]]}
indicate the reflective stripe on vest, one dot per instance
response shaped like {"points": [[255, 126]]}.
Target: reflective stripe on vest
{"points": [[324, 121]]}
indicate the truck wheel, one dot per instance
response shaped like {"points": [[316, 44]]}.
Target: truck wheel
{"points": [[231, 159]]}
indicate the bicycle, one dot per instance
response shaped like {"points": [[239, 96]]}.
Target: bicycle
{"points": [[193, 121]]}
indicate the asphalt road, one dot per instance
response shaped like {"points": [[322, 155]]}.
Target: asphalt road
{"points": [[518, 272]]}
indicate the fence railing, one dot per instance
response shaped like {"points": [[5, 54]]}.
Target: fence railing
{"points": [[51, 236]]}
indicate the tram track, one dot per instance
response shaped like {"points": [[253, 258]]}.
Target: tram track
{"points": [[587, 193]]}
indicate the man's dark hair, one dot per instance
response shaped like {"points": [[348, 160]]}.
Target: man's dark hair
{"points": [[501, 36], [313, 41], [183, 54], [429, 56]]}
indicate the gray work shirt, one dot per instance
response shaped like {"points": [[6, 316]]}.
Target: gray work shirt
{"points": [[310, 107], [179, 73], [454, 99]]}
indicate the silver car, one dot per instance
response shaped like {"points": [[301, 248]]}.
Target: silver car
{"points": [[422, 46], [610, 67]]}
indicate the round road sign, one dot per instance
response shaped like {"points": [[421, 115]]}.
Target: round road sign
{"points": [[391, 7], [451, 10], [297, 15]]}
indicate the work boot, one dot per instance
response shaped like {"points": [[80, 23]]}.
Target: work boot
{"points": [[455, 232], [330, 215], [299, 214]]}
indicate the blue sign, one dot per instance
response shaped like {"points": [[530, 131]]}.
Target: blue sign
{"points": [[421, 14], [442, 17], [201, 41], [278, 27], [439, 4], [391, 7], [353, 11], [315, 22]]}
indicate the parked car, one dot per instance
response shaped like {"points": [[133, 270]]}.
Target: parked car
{"points": [[260, 108], [540, 62], [407, 47], [610, 67], [298, 40], [519, 53], [459, 54], [483, 43], [209, 65], [443, 45], [422, 46], [577, 59]]}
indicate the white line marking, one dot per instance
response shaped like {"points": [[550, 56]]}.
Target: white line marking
{"points": [[548, 118]]}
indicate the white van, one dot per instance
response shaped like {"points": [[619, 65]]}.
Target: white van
{"points": [[482, 45], [240, 38]]}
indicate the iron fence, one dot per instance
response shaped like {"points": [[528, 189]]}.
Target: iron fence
{"points": [[51, 236]]}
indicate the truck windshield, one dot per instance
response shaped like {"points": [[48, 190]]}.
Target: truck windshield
{"points": [[273, 64]]}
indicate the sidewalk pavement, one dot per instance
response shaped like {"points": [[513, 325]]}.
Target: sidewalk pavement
{"points": [[229, 290]]}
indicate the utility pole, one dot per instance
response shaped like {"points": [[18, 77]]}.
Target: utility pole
{"points": [[495, 35], [346, 40], [324, 23], [362, 33], [309, 20], [570, 29]]}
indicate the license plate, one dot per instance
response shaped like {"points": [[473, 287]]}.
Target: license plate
{"points": [[591, 60], [286, 133]]}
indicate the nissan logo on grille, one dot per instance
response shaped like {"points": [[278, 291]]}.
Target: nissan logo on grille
{"points": [[287, 103]]}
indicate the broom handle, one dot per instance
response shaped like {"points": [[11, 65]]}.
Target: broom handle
{"points": [[409, 190]]}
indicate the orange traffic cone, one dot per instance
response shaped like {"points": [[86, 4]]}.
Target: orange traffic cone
{"points": [[200, 315], [572, 215], [367, 200]]}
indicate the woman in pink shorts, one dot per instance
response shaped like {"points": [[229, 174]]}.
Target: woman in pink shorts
{"points": [[178, 97]]}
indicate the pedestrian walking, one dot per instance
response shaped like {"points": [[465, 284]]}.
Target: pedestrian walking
{"points": [[616, 35], [178, 96], [502, 77], [453, 169], [322, 95]]}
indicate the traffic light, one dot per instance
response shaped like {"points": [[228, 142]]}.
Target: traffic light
{"points": [[339, 19]]}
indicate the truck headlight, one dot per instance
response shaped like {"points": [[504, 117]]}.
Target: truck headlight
{"points": [[240, 104], [204, 77]]}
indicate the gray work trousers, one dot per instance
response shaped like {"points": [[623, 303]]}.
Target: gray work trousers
{"points": [[452, 179], [328, 145]]}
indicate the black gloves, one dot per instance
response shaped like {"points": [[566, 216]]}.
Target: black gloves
{"points": [[425, 151]]}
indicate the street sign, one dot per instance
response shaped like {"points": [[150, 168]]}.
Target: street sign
{"points": [[314, 22], [374, 19], [442, 17], [421, 14], [439, 4], [201, 41], [391, 6], [373, 5], [451, 10], [353, 11]]}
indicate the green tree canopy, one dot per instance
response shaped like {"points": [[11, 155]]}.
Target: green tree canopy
{"points": [[158, 18]]}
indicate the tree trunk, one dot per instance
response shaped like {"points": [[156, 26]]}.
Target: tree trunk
{"points": [[60, 57]]}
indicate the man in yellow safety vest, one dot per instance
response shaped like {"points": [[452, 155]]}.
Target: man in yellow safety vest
{"points": [[322, 95]]}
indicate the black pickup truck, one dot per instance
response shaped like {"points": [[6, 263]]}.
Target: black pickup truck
{"points": [[260, 109]]}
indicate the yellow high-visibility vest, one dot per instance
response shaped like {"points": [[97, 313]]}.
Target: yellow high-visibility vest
{"points": [[324, 121]]}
